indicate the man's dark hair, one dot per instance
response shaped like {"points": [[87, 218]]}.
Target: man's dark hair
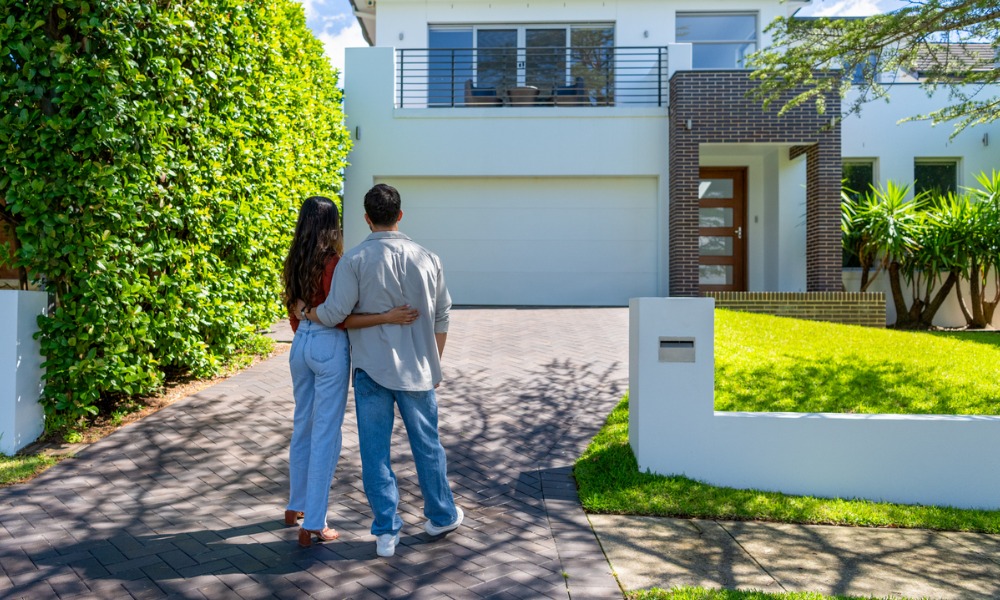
{"points": [[382, 204]]}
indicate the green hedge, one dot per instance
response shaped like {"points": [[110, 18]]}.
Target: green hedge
{"points": [[153, 156]]}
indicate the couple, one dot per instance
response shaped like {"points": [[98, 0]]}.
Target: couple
{"points": [[396, 290]]}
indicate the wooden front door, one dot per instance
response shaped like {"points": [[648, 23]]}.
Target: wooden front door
{"points": [[722, 206]]}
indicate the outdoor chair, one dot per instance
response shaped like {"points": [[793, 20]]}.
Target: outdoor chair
{"points": [[569, 95], [480, 96]]}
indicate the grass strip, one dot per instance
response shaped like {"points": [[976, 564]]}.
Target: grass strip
{"points": [[610, 482], [15, 469], [777, 364], [692, 593]]}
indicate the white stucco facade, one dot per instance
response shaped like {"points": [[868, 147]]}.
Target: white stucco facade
{"points": [[575, 199]]}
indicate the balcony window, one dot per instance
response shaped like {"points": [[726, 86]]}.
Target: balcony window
{"points": [[718, 40], [501, 58]]}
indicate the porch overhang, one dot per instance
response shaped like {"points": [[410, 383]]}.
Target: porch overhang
{"points": [[709, 107]]}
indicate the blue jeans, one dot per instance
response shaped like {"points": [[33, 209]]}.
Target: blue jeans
{"points": [[375, 419], [320, 366]]}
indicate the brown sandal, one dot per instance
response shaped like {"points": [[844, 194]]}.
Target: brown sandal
{"points": [[326, 535], [292, 517]]}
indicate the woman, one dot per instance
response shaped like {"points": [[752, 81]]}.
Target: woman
{"points": [[320, 366]]}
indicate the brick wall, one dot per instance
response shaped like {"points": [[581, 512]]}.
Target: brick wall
{"points": [[719, 111], [850, 308]]}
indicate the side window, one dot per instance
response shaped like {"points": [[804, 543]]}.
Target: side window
{"points": [[718, 40], [935, 176], [858, 176]]}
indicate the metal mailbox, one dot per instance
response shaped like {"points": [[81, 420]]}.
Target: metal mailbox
{"points": [[677, 349]]}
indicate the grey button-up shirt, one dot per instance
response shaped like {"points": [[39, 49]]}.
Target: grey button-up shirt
{"points": [[389, 269]]}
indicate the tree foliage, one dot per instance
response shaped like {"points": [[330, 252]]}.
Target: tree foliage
{"points": [[153, 155], [929, 37]]}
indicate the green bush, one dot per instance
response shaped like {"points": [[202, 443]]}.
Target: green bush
{"points": [[153, 156]]}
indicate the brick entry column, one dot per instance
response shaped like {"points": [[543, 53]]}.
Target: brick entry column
{"points": [[717, 106]]}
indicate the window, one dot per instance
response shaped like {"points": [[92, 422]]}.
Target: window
{"points": [[858, 176], [935, 176], [858, 179], [449, 65], [505, 56], [719, 40]]}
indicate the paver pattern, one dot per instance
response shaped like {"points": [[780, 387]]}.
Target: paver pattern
{"points": [[188, 502]]}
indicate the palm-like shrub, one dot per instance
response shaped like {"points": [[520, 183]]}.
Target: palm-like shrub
{"points": [[928, 245], [982, 252]]}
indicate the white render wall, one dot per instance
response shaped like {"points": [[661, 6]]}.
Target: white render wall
{"points": [[22, 419], [403, 23], [627, 144], [876, 133], [673, 430]]}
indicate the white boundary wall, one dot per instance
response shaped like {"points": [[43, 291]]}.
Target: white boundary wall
{"points": [[22, 419], [673, 430]]}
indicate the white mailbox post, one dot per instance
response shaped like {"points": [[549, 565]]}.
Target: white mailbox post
{"points": [[22, 419], [672, 377]]}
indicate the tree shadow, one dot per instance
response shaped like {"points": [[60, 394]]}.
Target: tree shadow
{"points": [[846, 384], [189, 500]]}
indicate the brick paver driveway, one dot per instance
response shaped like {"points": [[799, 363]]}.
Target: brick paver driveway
{"points": [[188, 502]]}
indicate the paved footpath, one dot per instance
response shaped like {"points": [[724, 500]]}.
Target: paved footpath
{"points": [[188, 502]]}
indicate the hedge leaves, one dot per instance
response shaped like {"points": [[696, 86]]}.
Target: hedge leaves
{"points": [[153, 156]]}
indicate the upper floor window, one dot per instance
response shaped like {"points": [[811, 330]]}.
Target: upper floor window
{"points": [[720, 40], [935, 176], [499, 58]]}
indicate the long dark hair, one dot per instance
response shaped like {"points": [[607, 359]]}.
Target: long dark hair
{"points": [[317, 238]]}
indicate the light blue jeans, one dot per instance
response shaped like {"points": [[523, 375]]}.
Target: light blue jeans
{"points": [[320, 366], [420, 416]]}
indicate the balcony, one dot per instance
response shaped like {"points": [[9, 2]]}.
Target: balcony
{"points": [[535, 76]]}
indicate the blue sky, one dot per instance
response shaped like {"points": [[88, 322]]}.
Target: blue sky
{"points": [[334, 24]]}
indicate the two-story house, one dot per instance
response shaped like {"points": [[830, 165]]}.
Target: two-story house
{"points": [[585, 152]]}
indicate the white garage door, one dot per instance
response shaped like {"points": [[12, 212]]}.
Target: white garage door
{"points": [[537, 241]]}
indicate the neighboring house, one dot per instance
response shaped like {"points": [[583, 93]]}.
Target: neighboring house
{"points": [[587, 152]]}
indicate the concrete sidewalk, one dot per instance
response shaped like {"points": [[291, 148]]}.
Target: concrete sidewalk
{"points": [[648, 552]]}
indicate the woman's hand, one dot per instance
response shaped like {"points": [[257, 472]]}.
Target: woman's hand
{"points": [[401, 315]]}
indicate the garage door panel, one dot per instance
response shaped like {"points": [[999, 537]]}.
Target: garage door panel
{"points": [[540, 241], [518, 224], [518, 288], [543, 256]]}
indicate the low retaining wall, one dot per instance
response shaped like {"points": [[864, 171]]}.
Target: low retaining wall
{"points": [[850, 308], [674, 429], [22, 419]]}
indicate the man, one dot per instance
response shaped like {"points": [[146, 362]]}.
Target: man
{"points": [[395, 364]]}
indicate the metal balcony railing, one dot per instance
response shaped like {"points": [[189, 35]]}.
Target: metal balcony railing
{"points": [[534, 76]]}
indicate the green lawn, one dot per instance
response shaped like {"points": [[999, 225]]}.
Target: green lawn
{"points": [[766, 363], [18, 468]]}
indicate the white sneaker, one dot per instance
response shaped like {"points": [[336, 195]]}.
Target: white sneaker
{"points": [[385, 544], [433, 529]]}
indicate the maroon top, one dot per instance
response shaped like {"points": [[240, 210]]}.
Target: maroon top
{"points": [[318, 299]]}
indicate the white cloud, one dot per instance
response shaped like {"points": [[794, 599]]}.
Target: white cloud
{"points": [[348, 37]]}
